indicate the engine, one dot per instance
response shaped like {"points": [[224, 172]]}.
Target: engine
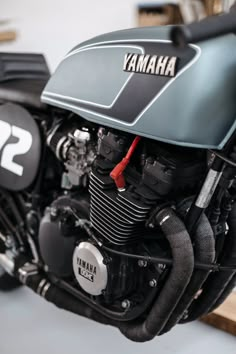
{"points": [[103, 207]]}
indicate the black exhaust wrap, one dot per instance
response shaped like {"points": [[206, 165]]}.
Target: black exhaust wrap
{"points": [[204, 252], [218, 285], [67, 302], [228, 290], [230, 248], [179, 277]]}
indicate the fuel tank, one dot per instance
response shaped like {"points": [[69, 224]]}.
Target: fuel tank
{"points": [[136, 81]]}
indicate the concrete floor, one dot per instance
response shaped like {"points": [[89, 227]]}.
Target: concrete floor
{"points": [[29, 325]]}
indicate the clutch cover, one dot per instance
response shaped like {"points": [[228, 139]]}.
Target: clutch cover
{"points": [[89, 269]]}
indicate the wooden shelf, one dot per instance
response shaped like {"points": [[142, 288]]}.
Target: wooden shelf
{"points": [[224, 317], [7, 36]]}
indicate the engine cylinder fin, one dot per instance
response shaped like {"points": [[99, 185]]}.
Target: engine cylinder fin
{"points": [[113, 218], [109, 236], [112, 203], [115, 215], [115, 198], [111, 227], [115, 204]]}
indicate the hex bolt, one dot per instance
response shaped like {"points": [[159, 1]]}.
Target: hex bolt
{"points": [[126, 304], [153, 283], [142, 263]]}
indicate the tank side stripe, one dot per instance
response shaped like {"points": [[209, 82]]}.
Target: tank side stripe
{"points": [[73, 99], [107, 116]]}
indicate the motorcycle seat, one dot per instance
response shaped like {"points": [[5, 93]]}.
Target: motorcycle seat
{"points": [[22, 79]]}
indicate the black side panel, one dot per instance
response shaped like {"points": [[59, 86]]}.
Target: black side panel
{"points": [[23, 66], [24, 92], [23, 78], [20, 147]]}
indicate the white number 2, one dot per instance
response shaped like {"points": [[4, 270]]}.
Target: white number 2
{"points": [[9, 151]]}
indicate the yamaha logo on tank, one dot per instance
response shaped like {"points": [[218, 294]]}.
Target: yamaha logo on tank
{"points": [[151, 64]]}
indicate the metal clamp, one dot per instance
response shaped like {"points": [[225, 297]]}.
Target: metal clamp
{"points": [[26, 271]]}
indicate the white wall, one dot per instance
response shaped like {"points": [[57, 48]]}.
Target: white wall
{"points": [[53, 27]]}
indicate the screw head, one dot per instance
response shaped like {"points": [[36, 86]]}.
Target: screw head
{"points": [[142, 263], [162, 266], [126, 304], [153, 283]]}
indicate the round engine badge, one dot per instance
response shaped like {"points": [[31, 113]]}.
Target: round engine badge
{"points": [[89, 269]]}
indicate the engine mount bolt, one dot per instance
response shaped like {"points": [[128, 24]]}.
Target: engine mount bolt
{"points": [[153, 283], [126, 304], [142, 263]]}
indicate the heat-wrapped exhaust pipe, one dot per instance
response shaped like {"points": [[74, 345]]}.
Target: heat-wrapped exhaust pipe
{"points": [[228, 290], [204, 252], [230, 257], [179, 277], [60, 298], [219, 285]]}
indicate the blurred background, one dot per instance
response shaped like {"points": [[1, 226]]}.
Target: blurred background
{"points": [[53, 27]]}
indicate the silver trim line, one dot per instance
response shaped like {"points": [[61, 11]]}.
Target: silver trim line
{"points": [[47, 93], [47, 99]]}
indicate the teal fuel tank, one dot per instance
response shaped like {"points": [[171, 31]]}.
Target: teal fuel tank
{"points": [[137, 81]]}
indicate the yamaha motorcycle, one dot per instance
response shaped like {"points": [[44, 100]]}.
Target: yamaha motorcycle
{"points": [[118, 176]]}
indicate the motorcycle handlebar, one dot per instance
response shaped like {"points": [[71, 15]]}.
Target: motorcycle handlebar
{"points": [[208, 28]]}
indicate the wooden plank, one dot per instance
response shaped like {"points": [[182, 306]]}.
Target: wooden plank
{"points": [[158, 14], [224, 317], [7, 36]]}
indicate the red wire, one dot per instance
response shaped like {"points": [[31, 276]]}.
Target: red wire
{"points": [[117, 172], [132, 147]]}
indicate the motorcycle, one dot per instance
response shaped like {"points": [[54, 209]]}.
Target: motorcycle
{"points": [[118, 186]]}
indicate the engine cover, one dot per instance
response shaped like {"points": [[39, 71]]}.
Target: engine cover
{"points": [[89, 268], [58, 236]]}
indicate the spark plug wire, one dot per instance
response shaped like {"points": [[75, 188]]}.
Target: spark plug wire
{"points": [[117, 172]]}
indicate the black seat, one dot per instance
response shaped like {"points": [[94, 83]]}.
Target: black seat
{"points": [[22, 78]]}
